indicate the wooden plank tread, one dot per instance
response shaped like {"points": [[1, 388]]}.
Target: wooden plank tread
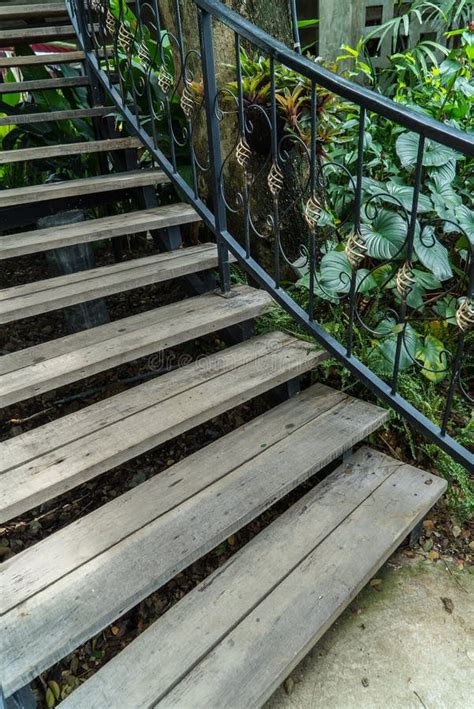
{"points": [[47, 461], [31, 242], [85, 186], [31, 35], [274, 599], [39, 369], [50, 116], [41, 59], [32, 10], [53, 84], [177, 516], [54, 293], [45, 152]]}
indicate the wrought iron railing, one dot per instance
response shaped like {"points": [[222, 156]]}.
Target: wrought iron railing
{"points": [[287, 163]]}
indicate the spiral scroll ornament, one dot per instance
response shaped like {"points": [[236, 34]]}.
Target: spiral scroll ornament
{"points": [[187, 102], [125, 39], [110, 23], [144, 54], [312, 211], [405, 280], [356, 249], [465, 315], [243, 153], [165, 80], [275, 179]]}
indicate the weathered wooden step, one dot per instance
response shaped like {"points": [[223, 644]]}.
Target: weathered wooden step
{"points": [[41, 464], [85, 186], [55, 293], [31, 242], [41, 59], [53, 84], [33, 35], [47, 59], [74, 114], [32, 10], [45, 152], [237, 636], [91, 572], [47, 366]]}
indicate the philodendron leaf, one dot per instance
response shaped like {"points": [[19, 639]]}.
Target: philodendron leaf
{"points": [[445, 199], [430, 352], [434, 154], [446, 309], [385, 235], [405, 194], [465, 218], [423, 281], [336, 274], [432, 253], [320, 292], [390, 330], [444, 174]]}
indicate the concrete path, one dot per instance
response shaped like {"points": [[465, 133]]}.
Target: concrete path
{"points": [[398, 646]]}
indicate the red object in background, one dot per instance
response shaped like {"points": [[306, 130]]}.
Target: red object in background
{"points": [[44, 48]]}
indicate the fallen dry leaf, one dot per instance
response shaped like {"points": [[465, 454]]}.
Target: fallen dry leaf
{"points": [[289, 685], [448, 605]]}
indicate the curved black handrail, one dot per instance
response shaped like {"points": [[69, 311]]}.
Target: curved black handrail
{"points": [[216, 218]]}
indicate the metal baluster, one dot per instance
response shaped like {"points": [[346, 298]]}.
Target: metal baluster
{"points": [[405, 278], [294, 27], [147, 60], [355, 249], [243, 153], [275, 176], [214, 140], [312, 223], [187, 97], [165, 81], [129, 41], [465, 322]]}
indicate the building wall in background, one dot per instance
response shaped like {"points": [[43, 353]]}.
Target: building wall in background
{"points": [[345, 21]]}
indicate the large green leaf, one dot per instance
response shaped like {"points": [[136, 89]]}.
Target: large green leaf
{"points": [[405, 194], [423, 281], [444, 173], [446, 309], [444, 197], [431, 353], [390, 330], [434, 154], [399, 190], [465, 218], [336, 274], [385, 235], [432, 253]]}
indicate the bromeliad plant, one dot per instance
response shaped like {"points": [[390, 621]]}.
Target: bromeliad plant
{"points": [[293, 101]]}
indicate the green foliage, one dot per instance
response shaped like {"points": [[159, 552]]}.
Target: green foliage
{"points": [[439, 83], [35, 134]]}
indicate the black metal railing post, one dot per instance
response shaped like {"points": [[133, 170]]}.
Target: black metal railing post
{"points": [[214, 141]]}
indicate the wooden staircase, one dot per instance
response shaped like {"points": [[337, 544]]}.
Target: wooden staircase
{"points": [[238, 634]]}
